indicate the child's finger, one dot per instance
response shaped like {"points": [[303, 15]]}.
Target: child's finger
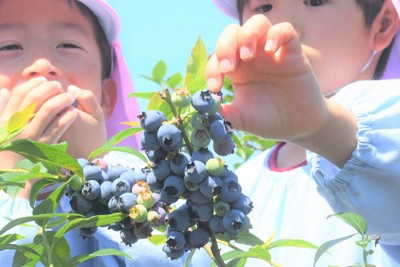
{"points": [[252, 34], [59, 125], [215, 79], [87, 102], [47, 114], [227, 49], [41, 93], [284, 37]]}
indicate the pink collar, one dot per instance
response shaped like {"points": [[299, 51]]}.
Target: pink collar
{"points": [[272, 160]]}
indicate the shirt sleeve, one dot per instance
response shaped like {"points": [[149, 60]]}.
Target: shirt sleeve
{"points": [[369, 183]]}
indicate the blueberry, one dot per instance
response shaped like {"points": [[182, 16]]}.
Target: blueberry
{"points": [[199, 237], [178, 163], [80, 204], [203, 101], [231, 190], [91, 189], [234, 221], [151, 120], [126, 201], [173, 253], [202, 154], [179, 219], [162, 169], [93, 172], [170, 137], [148, 141], [175, 240], [195, 171], [224, 148], [221, 131], [174, 186], [128, 236], [120, 186], [244, 204]]}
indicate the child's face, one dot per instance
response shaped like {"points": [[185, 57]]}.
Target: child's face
{"points": [[333, 34], [53, 39]]}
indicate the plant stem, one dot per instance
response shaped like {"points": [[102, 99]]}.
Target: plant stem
{"points": [[215, 249], [166, 95]]}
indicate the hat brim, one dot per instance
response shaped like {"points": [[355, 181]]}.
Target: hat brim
{"points": [[107, 16]]}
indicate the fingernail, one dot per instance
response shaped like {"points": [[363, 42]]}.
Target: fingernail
{"points": [[225, 65], [57, 84], [212, 84], [245, 52], [269, 46], [74, 90]]}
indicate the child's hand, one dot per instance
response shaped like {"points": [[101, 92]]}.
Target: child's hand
{"points": [[276, 93], [54, 111], [88, 132]]}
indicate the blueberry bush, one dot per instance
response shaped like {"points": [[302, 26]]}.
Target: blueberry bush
{"points": [[184, 197]]}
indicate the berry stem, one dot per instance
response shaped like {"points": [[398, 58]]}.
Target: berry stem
{"points": [[214, 248], [166, 95]]}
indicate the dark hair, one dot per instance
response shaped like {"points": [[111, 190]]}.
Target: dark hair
{"points": [[101, 39], [370, 8]]}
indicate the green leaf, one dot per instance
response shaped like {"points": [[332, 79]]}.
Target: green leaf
{"points": [[103, 252], [17, 248], [37, 186], [100, 220], [125, 149], [354, 220], [258, 252], [159, 71], [248, 238], [157, 240], [50, 155], [327, 245], [237, 262], [297, 243], [195, 71], [142, 95], [28, 258], [20, 118], [189, 258], [174, 80], [7, 239], [49, 205]]}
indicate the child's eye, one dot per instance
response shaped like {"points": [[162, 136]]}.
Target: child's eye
{"points": [[11, 47], [264, 8], [314, 2], [67, 45]]}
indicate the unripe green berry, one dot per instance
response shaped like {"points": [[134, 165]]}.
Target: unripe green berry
{"points": [[138, 213], [76, 182], [221, 207], [146, 199], [215, 166], [181, 98]]}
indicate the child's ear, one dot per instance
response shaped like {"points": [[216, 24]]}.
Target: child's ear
{"points": [[109, 97], [385, 26]]}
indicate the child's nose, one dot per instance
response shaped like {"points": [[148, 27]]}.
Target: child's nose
{"points": [[40, 67]]}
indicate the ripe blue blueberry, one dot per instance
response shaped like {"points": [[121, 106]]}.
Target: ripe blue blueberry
{"points": [[151, 120]]}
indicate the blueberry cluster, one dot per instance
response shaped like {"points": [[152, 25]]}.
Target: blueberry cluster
{"points": [[115, 188], [212, 194], [182, 173]]}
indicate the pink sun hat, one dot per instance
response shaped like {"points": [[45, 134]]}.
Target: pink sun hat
{"points": [[392, 70], [126, 110]]}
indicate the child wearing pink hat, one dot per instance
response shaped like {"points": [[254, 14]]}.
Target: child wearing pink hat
{"points": [[323, 78], [66, 56]]}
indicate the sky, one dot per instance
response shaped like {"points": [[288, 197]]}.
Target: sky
{"points": [[153, 30]]}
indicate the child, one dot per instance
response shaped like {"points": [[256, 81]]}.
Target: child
{"points": [[58, 53], [298, 70]]}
